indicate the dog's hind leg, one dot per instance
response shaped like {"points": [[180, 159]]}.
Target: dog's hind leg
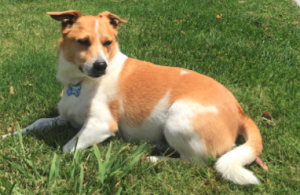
{"points": [[180, 133], [40, 125], [93, 131]]}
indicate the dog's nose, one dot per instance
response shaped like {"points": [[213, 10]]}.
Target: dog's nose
{"points": [[99, 66]]}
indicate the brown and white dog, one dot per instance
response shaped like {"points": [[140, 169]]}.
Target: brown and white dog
{"points": [[106, 92]]}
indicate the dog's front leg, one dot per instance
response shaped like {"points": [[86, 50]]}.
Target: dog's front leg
{"points": [[93, 131], [39, 125]]}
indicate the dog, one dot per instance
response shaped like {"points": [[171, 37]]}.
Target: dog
{"points": [[106, 92]]}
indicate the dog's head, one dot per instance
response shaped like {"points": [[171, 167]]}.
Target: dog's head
{"points": [[88, 42]]}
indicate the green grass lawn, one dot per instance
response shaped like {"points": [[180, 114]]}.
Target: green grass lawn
{"points": [[254, 50]]}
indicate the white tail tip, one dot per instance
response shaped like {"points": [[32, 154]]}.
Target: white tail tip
{"points": [[230, 165]]}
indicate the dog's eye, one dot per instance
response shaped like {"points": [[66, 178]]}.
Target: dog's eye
{"points": [[107, 43], [85, 42]]}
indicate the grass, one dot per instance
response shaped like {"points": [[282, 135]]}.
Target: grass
{"points": [[254, 50]]}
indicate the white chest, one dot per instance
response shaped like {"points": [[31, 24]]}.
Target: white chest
{"points": [[74, 107], [92, 101]]}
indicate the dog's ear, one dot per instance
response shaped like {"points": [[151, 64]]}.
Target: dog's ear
{"points": [[114, 20], [67, 16]]}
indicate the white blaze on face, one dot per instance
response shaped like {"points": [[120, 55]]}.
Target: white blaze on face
{"points": [[101, 54], [98, 36]]}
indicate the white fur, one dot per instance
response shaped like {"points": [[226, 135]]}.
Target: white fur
{"points": [[155, 159], [180, 133], [97, 93], [100, 51], [67, 72], [98, 36], [183, 72], [94, 131], [117, 60], [230, 165]]}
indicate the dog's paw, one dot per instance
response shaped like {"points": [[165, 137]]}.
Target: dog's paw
{"points": [[6, 135], [66, 149]]}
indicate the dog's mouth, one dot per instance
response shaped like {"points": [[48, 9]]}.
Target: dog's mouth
{"points": [[92, 73], [97, 74], [80, 68]]}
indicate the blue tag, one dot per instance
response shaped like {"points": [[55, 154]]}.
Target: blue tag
{"points": [[74, 89]]}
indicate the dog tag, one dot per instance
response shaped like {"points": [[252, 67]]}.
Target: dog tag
{"points": [[74, 89]]}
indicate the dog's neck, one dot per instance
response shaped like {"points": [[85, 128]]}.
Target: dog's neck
{"points": [[69, 73]]}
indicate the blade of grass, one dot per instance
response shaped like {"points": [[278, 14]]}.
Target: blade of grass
{"points": [[130, 188], [75, 168], [130, 165], [20, 169], [81, 179], [52, 170], [8, 187], [20, 138], [31, 165], [100, 164], [119, 191], [95, 188], [88, 186], [12, 188], [107, 156]]}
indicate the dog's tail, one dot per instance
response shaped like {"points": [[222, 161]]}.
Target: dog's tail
{"points": [[230, 165]]}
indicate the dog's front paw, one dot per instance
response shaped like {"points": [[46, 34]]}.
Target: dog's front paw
{"points": [[9, 135], [66, 149], [6, 135]]}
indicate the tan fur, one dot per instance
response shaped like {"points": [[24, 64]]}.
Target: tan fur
{"points": [[84, 28], [113, 126], [146, 79], [114, 107], [252, 134]]}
